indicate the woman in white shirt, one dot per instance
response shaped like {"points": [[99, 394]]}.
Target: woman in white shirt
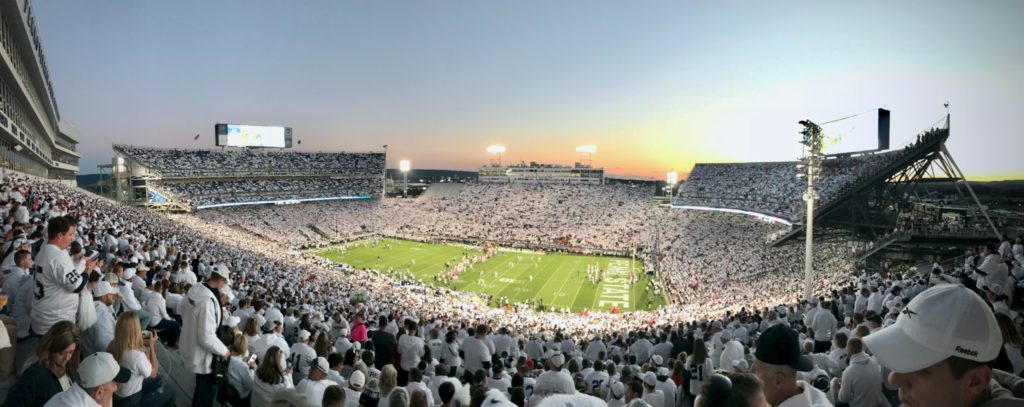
{"points": [[450, 350], [241, 372], [251, 332], [270, 377], [139, 357]]}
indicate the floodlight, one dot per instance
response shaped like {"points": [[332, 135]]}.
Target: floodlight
{"points": [[589, 148], [403, 165], [496, 149], [671, 177]]}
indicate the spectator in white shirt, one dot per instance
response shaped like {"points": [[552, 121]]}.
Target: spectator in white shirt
{"points": [[271, 376], [316, 383], [138, 354], [241, 372], [98, 336], [416, 384], [733, 350], [354, 389], [57, 281], [476, 351], [861, 384], [411, 349], [302, 355], [165, 326]]}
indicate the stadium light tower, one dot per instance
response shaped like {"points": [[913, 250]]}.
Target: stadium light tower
{"points": [[588, 152], [813, 152], [496, 152], [671, 178], [404, 167]]}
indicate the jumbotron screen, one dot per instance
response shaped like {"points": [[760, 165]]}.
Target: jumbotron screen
{"points": [[243, 135]]}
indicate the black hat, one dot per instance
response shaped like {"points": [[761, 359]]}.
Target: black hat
{"points": [[780, 345]]}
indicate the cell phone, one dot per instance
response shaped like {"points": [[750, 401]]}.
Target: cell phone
{"points": [[146, 335], [252, 358]]}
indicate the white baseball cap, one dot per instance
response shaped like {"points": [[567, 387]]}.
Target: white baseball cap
{"points": [[943, 321], [100, 368], [617, 390], [357, 379], [304, 334], [320, 363], [103, 288], [232, 321], [650, 379], [558, 360], [657, 360]]}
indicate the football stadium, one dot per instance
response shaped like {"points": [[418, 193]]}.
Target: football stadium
{"points": [[443, 239]]}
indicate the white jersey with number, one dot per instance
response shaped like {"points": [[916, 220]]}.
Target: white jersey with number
{"points": [[597, 383], [57, 284]]}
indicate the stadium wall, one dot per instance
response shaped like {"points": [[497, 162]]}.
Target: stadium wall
{"points": [[32, 138]]}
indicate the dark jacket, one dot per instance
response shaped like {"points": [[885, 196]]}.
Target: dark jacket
{"points": [[34, 388]]}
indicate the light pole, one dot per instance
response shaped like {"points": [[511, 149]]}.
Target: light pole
{"points": [[671, 178], [495, 152], [812, 159], [587, 153], [404, 167]]}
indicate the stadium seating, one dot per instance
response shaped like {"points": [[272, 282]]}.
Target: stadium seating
{"points": [[773, 188], [713, 266], [172, 163], [203, 178]]}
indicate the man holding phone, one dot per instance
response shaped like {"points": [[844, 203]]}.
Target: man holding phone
{"points": [[57, 281]]}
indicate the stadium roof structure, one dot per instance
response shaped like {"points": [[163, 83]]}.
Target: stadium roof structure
{"points": [[870, 206]]}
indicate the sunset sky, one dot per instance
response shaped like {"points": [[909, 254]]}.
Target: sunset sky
{"points": [[655, 85]]}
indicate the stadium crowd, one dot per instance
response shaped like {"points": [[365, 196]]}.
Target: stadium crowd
{"points": [[200, 193], [774, 188], [201, 163], [597, 217], [260, 324]]}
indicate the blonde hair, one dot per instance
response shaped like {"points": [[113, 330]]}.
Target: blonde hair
{"points": [[388, 379], [240, 345], [127, 335]]}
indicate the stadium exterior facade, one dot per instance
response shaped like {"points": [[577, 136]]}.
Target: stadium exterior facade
{"points": [[542, 174], [33, 139]]}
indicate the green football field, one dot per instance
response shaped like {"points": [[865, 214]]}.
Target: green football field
{"points": [[559, 280]]}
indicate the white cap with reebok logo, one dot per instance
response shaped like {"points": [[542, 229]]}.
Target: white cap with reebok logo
{"points": [[943, 321]]}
